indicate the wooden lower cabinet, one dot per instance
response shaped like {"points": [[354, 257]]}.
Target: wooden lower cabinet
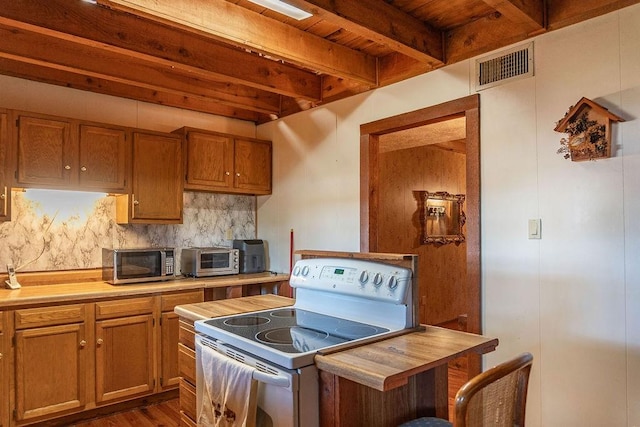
{"points": [[51, 361], [187, 360], [124, 357], [4, 384], [77, 357], [169, 337]]}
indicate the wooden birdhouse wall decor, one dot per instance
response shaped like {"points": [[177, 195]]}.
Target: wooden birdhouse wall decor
{"points": [[588, 128]]}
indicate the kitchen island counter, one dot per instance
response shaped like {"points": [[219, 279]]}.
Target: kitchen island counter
{"points": [[385, 382]]}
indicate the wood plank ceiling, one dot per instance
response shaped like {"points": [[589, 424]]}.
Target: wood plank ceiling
{"points": [[236, 59]]}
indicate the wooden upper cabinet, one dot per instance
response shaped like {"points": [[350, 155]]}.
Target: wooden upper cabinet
{"points": [[224, 163], [253, 165], [103, 158], [45, 152], [157, 181], [5, 184], [209, 161], [66, 154]]}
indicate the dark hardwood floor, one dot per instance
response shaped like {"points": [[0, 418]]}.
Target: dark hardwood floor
{"points": [[164, 414]]}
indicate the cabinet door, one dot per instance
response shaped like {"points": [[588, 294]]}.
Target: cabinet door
{"points": [[45, 152], [157, 178], [50, 369], [103, 156], [209, 162], [4, 383], [124, 357], [169, 369], [169, 336], [5, 185], [253, 166]]}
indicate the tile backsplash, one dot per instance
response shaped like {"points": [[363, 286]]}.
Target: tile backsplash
{"points": [[62, 230]]}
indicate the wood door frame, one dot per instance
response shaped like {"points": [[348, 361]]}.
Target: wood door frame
{"points": [[468, 107]]}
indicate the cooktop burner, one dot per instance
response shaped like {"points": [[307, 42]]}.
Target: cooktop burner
{"points": [[293, 330], [377, 297]]}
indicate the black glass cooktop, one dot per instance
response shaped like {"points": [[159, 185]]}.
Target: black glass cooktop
{"points": [[293, 330]]}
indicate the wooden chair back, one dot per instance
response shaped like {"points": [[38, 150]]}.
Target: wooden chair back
{"points": [[496, 397]]}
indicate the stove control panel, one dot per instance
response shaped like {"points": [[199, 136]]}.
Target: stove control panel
{"points": [[360, 278]]}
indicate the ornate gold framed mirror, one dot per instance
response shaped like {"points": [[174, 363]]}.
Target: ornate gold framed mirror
{"points": [[441, 217]]}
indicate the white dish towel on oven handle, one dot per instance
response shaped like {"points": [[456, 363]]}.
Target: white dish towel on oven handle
{"points": [[229, 397]]}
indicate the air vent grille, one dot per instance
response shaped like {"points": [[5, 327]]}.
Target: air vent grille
{"points": [[514, 64]]}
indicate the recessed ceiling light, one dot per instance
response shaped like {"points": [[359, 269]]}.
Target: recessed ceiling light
{"points": [[284, 8]]}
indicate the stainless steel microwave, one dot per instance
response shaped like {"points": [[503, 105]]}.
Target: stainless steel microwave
{"points": [[202, 262], [122, 266]]}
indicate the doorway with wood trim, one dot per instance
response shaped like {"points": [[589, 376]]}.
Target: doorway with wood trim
{"points": [[432, 149]]}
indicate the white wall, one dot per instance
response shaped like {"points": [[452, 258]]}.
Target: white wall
{"points": [[572, 298], [43, 98]]}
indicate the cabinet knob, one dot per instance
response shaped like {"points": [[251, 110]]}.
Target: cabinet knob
{"points": [[83, 169], [100, 341], [0, 356], [136, 203], [227, 173], [67, 167], [83, 343], [237, 173]]}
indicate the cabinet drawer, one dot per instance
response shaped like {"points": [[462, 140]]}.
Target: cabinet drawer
{"points": [[188, 399], [187, 363], [124, 307], [49, 316], [169, 301], [187, 335], [185, 421]]}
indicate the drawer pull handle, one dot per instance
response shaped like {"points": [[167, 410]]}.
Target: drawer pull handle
{"points": [[67, 167], [100, 341], [83, 343]]}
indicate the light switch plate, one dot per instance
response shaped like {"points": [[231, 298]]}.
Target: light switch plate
{"points": [[535, 228]]}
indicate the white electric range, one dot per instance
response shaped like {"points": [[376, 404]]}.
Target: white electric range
{"points": [[340, 302]]}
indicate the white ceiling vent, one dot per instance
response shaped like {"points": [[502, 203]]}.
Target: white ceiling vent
{"points": [[515, 63]]}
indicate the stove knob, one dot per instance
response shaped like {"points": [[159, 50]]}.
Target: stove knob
{"points": [[305, 270], [296, 271], [377, 280], [364, 277], [392, 283]]}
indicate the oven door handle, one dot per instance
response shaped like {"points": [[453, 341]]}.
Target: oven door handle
{"points": [[258, 375], [276, 380]]}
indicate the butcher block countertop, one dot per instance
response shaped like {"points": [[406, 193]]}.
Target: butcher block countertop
{"points": [[226, 307], [387, 364], [382, 365], [56, 290]]}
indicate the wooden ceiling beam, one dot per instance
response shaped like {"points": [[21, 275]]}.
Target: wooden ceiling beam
{"points": [[17, 40], [43, 73], [481, 36], [382, 23], [234, 24], [562, 13], [527, 14], [101, 28]]}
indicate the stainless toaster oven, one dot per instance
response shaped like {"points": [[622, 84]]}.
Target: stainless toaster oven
{"points": [[203, 262]]}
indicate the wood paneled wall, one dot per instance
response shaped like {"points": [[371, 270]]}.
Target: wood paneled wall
{"points": [[442, 269]]}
